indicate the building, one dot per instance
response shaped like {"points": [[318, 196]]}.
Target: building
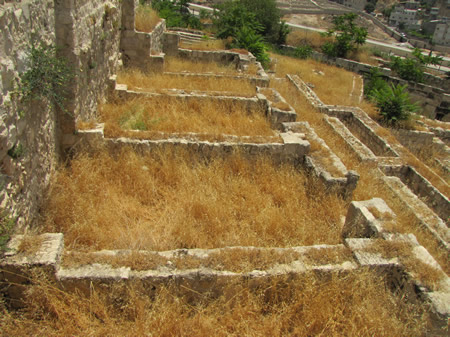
{"points": [[407, 17], [442, 34]]}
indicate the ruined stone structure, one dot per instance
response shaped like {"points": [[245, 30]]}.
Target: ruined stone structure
{"points": [[89, 34]]}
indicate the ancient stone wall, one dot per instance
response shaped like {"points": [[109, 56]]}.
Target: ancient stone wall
{"points": [[33, 134], [89, 33], [137, 46], [27, 131]]}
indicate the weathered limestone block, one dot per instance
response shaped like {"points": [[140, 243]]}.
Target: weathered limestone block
{"points": [[18, 267], [361, 222]]}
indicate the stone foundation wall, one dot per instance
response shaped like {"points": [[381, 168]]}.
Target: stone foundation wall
{"points": [[137, 47], [89, 33], [434, 199], [27, 131]]}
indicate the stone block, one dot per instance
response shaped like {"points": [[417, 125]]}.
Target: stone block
{"points": [[360, 222]]}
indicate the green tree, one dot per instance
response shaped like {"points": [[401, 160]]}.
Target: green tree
{"points": [[231, 16], [393, 103], [269, 17], [233, 20], [412, 68], [374, 81], [176, 13], [347, 36]]}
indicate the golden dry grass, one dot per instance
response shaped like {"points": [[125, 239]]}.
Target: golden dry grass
{"points": [[170, 200], [333, 85], [146, 18], [172, 115], [428, 154], [371, 182], [209, 44], [302, 37], [177, 64], [354, 304], [425, 273], [137, 80]]}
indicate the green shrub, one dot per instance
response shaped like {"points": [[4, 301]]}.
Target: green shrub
{"points": [[374, 81], [248, 39], [394, 103], [47, 76], [303, 52], [347, 36]]}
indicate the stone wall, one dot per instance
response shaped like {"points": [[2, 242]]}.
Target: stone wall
{"points": [[33, 135], [89, 33], [27, 131]]}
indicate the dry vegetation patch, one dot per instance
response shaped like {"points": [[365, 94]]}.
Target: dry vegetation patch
{"points": [[206, 44], [137, 80], [403, 250], [356, 304], [171, 200], [146, 18], [177, 64], [333, 85], [370, 184], [153, 115]]}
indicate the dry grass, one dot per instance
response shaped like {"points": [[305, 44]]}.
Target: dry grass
{"points": [[425, 273], [354, 304], [427, 154], [371, 182], [209, 44], [171, 200], [333, 85], [30, 244], [137, 80], [303, 37], [176, 64], [171, 115], [146, 18]]}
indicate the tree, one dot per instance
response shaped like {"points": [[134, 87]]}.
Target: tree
{"points": [[412, 68], [233, 20], [394, 103], [176, 13], [374, 81], [269, 17], [262, 16], [231, 16], [347, 36]]}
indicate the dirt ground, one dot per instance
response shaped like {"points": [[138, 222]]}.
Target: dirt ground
{"points": [[325, 22]]}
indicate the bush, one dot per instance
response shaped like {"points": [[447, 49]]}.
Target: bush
{"points": [[47, 76], [176, 13], [374, 81], [394, 103], [347, 36], [247, 38], [303, 52], [412, 68]]}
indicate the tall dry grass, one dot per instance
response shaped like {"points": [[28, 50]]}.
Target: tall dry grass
{"points": [[371, 182], [303, 37], [138, 80], [173, 200], [333, 85], [177, 64], [170, 115], [209, 44], [354, 304], [146, 18]]}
